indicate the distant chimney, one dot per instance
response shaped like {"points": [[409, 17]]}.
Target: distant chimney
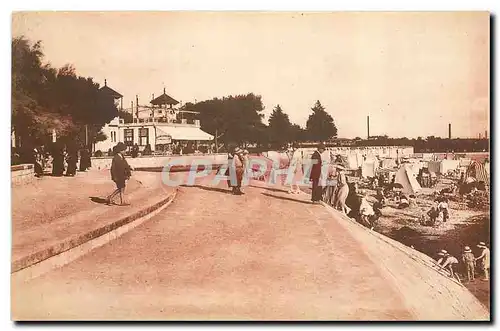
{"points": [[105, 82], [137, 106], [449, 131], [368, 126]]}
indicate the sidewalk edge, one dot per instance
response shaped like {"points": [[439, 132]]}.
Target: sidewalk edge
{"points": [[68, 250]]}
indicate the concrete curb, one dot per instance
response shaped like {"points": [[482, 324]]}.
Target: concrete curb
{"points": [[485, 312], [394, 243], [70, 249]]}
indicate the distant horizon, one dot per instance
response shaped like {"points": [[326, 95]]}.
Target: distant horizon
{"points": [[412, 73]]}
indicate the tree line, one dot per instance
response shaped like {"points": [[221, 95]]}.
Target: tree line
{"points": [[45, 98], [238, 120]]}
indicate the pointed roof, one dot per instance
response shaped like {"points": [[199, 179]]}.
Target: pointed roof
{"points": [[110, 91], [164, 99]]}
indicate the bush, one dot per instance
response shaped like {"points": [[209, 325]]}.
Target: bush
{"points": [[98, 153]]}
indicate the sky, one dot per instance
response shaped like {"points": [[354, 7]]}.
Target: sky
{"points": [[412, 73]]}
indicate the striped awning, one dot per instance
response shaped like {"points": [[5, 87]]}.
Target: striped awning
{"points": [[478, 171]]}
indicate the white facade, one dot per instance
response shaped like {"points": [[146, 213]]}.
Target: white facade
{"points": [[147, 130]]}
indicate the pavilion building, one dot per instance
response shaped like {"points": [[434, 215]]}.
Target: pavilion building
{"points": [[156, 125]]}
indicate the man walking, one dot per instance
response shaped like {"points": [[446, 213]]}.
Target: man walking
{"points": [[470, 263], [485, 259], [317, 189], [120, 172]]}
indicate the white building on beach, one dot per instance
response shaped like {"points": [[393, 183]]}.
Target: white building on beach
{"points": [[157, 126]]}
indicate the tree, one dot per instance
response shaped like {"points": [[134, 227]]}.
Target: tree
{"points": [[320, 125], [46, 99], [234, 119], [126, 116], [280, 128], [298, 133]]}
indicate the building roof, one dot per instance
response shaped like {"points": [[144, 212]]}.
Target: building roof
{"points": [[164, 99], [110, 91]]}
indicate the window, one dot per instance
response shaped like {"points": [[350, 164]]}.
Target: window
{"points": [[129, 137], [143, 136]]}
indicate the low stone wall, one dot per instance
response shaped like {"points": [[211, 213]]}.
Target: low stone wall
{"points": [[152, 162], [22, 174]]}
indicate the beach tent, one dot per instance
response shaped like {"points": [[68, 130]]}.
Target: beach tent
{"points": [[465, 162], [478, 171], [428, 156], [408, 180], [388, 163], [434, 166], [447, 165], [368, 169]]}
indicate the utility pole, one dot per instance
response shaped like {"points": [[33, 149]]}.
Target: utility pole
{"points": [[216, 143]]}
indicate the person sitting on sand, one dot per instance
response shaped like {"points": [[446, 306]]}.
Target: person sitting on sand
{"points": [[403, 202], [380, 196], [365, 210]]}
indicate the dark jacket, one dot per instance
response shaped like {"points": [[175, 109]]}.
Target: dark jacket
{"points": [[316, 166], [120, 169]]}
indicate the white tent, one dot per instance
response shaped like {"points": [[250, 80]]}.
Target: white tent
{"points": [[407, 178]]}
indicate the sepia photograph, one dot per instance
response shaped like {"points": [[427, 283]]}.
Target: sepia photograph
{"points": [[250, 166]]}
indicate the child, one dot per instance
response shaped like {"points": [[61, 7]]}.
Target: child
{"points": [[470, 262]]}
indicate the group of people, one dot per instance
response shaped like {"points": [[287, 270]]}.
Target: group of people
{"points": [[66, 159], [63, 159], [469, 262], [335, 195], [439, 212]]}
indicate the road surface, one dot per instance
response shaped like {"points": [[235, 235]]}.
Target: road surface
{"points": [[214, 256]]}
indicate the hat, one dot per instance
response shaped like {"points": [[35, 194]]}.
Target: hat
{"points": [[120, 147], [467, 249], [481, 244], [443, 252], [321, 146], [245, 151]]}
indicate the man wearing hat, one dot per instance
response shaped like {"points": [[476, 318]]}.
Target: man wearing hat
{"points": [[470, 263], [317, 190], [485, 259], [236, 169], [447, 260], [120, 172]]}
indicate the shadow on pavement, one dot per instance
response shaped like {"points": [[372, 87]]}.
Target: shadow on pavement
{"points": [[207, 188], [98, 200], [288, 199], [269, 189]]}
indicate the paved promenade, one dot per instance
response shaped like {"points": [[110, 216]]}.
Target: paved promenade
{"points": [[266, 255]]}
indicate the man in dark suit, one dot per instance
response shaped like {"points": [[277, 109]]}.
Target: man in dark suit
{"points": [[317, 189]]}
